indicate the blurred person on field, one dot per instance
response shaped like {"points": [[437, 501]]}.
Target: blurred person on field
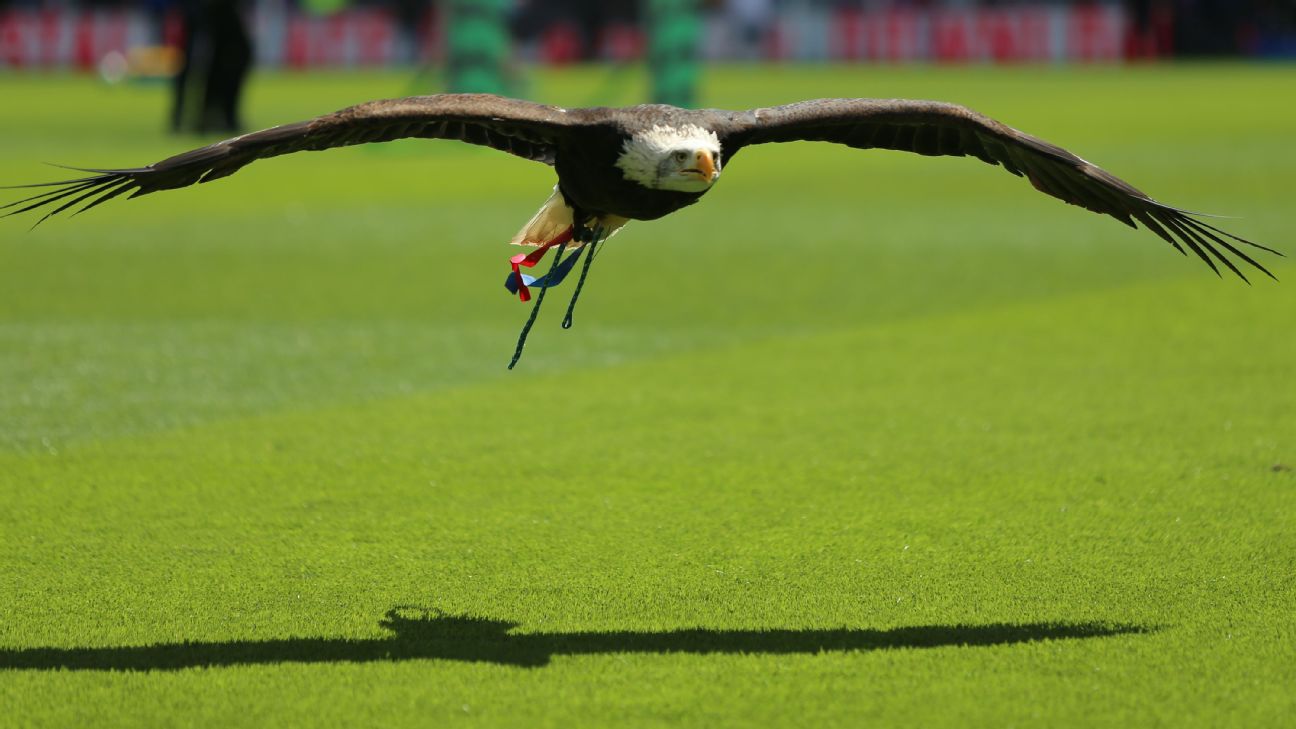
{"points": [[217, 56], [752, 20]]}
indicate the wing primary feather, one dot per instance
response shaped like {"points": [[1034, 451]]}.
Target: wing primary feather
{"points": [[94, 191], [1214, 251], [1150, 223], [1197, 226], [78, 185], [111, 193], [1196, 213], [1186, 238], [1240, 240], [123, 171], [47, 199], [1210, 248], [59, 183]]}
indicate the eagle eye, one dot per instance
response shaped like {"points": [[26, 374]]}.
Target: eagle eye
{"points": [[681, 156]]}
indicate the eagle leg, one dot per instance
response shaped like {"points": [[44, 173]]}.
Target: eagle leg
{"points": [[582, 231]]}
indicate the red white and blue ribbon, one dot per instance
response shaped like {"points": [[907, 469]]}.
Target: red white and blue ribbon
{"points": [[518, 282]]}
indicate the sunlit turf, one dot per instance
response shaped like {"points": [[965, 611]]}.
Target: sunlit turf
{"points": [[862, 437]]}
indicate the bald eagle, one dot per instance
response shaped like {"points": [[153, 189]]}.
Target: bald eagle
{"points": [[643, 162]]}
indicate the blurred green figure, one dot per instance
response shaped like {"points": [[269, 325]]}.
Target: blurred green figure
{"points": [[478, 45], [674, 31]]}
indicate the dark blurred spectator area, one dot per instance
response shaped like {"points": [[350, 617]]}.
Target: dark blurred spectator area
{"points": [[149, 34]]}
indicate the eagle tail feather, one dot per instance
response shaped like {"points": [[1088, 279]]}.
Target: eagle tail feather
{"points": [[550, 221], [555, 217]]}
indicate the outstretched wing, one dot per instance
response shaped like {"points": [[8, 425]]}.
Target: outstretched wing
{"points": [[522, 128], [939, 129]]}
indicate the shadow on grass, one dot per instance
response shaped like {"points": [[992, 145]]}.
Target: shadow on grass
{"points": [[422, 635]]}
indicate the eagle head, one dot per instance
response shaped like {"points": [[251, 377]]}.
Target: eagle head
{"points": [[682, 159]]}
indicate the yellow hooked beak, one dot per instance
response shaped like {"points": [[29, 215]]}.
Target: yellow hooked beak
{"points": [[704, 165]]}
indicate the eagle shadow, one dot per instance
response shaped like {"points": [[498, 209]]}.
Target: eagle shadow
{"points": [[419, 634]]}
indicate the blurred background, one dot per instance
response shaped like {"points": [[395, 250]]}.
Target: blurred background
{"points": [[343, 33], [478, 45]]}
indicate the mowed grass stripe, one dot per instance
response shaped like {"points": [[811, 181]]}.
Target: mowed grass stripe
{"points": [[996, 388], [817, 402], [763, 503]]}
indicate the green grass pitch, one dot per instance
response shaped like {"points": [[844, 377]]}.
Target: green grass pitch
{"points": [[863, 438]]}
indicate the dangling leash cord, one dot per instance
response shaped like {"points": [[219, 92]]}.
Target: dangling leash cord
{"points": [[535, 308], [518, 283], [580, 282]]}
